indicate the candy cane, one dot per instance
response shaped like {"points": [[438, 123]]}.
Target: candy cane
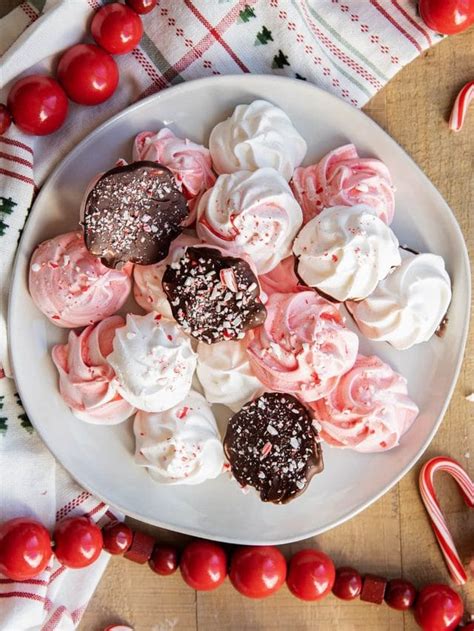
{"points": [[459, 111], [438, 522]]}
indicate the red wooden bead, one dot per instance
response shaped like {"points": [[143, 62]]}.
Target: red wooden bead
{"points": [[38, 105], [400, 594], [141, 549], [373, 589], [141, 6], [468, 627], [117, 538], [438, 608], [5, 118], [164, 560], [348, 583]]}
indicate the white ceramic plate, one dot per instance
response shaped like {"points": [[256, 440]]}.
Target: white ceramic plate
{"points": [[100, 458]]}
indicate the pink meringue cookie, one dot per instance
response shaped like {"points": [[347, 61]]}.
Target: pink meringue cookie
{"points": [[282, 279], [303, 347], [369, 410], [342, 178], [189, 161], [86, 380], [147, 287], [72, 287]]}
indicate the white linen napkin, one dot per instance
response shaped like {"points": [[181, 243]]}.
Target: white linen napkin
{"points": [[348, 47]]}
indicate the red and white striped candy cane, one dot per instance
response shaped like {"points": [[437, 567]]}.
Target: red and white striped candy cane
{"points": [[459, 111], [438, 522]]}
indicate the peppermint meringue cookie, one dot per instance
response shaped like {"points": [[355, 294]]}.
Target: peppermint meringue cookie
{"points": [[408, 306], [147, 288], [342, 178], [345, 251], [153, 362], [303, 347], [282, 279], [189, 161], [180, 445], [225, 374], [71, 287], [257, 135], [369, 410], [86, 380], [251, 213]]}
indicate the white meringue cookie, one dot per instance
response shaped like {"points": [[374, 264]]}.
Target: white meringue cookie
{"points": [[257, 135], [408, 306], [180, 445], [345, 251], [153, 362], [225, 374], [147, 287], [251, 213]]}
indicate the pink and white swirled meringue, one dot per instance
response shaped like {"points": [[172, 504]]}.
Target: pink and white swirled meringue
{"points": [[147, 287], [303, 347], [86, 380], [282, 279], [189, 161], [251, 213], [257, 135], [342, 178], [369, 410], [345, 251], [72, 287]]}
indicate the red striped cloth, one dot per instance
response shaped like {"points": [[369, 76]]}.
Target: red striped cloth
{"points": [[348, 47]]}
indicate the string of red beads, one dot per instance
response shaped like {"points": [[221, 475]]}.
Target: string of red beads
{"points": [[86, 74], [254, 571]]}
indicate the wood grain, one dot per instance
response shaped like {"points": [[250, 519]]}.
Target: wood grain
{"points": [[392, 537]]}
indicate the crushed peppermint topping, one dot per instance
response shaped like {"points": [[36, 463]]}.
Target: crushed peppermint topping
{"points": [[212, 296], [273, 446]]}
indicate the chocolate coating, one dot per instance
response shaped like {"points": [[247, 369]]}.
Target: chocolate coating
{"points": [[272, 445], [212, 296], [133, 213]]}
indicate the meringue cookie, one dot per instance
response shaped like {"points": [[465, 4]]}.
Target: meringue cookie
{"points": [[225, 374], [147, 287], [72, 287], [345, 251], [282, 279], [153, 362], [303, 347], [180, 445], [342, 178], [189, 161], [369, 410], [257, 135], [86, 380], [251, 213], [408, 306]]}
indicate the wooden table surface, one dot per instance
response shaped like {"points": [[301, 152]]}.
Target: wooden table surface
{"points": [[393, 537]]}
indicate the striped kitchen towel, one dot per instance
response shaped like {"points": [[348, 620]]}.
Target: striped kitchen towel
{"points": [[348, 47]]}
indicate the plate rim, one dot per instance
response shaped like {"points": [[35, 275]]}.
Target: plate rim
{"points": [[190, 86]]}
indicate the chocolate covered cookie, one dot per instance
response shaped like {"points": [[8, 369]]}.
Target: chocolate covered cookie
{"points": [[272, 445], [214, 297], [132, 213]]}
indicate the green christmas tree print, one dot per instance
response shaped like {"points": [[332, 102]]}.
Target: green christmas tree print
{"points": [[7, 206], [25, 421], [264, 36], [3, 420], [247, 13], [298, 76], [280, 60]]}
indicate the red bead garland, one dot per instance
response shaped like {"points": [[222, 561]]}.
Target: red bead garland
{"points": [[88, 74], [255, 571]]}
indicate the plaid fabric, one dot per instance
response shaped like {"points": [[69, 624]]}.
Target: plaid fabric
{"points": [[348, 47]]}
